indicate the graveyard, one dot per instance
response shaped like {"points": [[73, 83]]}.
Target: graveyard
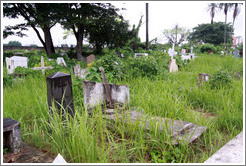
{"points": [[152, 106]]}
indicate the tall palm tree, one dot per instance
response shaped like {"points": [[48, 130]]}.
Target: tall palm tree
{"points": [[212, 8], [236, 11]]}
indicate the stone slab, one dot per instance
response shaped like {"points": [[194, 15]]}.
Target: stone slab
{"points": [[232, 152], [28, 154], [179, 131], [140, 54]]}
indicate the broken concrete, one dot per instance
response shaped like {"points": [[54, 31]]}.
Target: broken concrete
{"points": [[179, 131], [232, 152], [94, 94], [12, 135], [28, 154]]}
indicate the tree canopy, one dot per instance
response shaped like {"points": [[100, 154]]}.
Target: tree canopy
{"points": [[211, 33]]}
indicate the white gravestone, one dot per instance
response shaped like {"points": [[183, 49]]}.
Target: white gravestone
{"points": [[60, 61], [140, 54], [172, 66], [10, 65], [42, 66], [19, 61], [183, 51]]}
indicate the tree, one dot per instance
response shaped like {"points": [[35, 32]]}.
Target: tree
{"points": [[14, 43], [212, 9], [147, 26], [236, 11], [36, 15], [176, 35], [81, 18], [211, 33]]}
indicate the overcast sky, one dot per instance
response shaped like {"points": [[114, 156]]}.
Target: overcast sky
{"points": [[162, 15]]}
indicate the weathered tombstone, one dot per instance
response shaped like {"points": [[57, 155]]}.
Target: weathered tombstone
{"points": [[140, 54], [59, 91], [12, 135], [191, 49], [80, 71], [60, 61], [172, 66], [95, 93], [202, 77], [235, 53], [19, 61], [10, 65], [91, 58], [119, 54], [183, 52]]}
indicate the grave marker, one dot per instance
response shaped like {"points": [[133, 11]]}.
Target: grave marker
{"points": [[60, 61], [202, 77], [19, 61], [172, 66], [90, 59], [140, 54], [59, 91], [10, 65], [12, 135], [42, 66]]}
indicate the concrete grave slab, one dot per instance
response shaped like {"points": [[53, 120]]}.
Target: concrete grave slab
{"points": [[19, 61], [232, 152], [179, 131], [10, 65]]}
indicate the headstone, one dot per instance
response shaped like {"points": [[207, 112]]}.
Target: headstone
{"points": [[80, 71], [140, 54], [12, 135], [235, 53], [10, 65], [191, 49], [119, 54], [19, 61], [202, 77], [95, 93], [59, 91], [222, 52], [91, 58], [183, 52], [42, 61], [172, 66], [60, 61]]}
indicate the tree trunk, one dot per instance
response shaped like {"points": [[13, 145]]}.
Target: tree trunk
{"points": [[225, 39], [49, 47], [79, 48], [147, 26]]}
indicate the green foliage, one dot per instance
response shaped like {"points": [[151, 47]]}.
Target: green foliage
{"points": [[206, 47], [211, 33], [220, 79], [28, 71], [5, 150]]}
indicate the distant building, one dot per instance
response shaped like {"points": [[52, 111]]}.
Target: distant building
{"points": [[237, 40]]}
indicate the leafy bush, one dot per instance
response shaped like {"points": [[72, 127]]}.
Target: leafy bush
{"points": [[220, 79], [206, 47]]}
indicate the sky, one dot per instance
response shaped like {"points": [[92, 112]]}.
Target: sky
{"points": [[162, 15]]}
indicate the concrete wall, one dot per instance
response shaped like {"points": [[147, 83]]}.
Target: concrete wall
{"points": [[5, 48]]}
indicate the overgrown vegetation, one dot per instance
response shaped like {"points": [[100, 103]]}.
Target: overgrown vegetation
{"points": [[92, 139]]}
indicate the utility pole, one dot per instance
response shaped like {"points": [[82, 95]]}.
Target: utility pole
{"points": [[147, 26]]}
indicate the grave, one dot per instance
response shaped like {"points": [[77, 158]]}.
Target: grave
{"points": [[60, 61], [172, 66], [232, 152], [136, 55], [42, 66], [191, 55], [98, 93], [10, 65], [19, 61], [90, 59], [59, 91], [80, 71], [235, 53], [119, 54], [12, 135], [202, 77]]}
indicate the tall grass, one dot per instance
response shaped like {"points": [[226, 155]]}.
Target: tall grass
{"points": [[93, 139]]}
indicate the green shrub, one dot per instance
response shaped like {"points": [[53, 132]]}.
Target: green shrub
{"points": [[220, 79], [206, 47]]}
